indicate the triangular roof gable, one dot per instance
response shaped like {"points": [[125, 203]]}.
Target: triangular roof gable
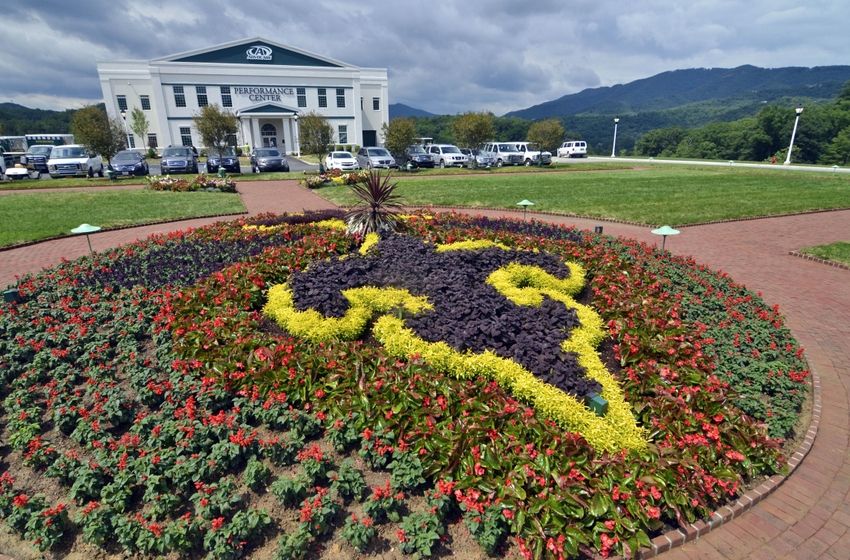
{"points": [[267, 108], [254, 51]]}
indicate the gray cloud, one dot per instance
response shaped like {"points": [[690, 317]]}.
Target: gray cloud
{"points": [[445, 57]]}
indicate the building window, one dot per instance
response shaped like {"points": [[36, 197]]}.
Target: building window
{"points": [[152, 141], [340, 97], [185, 135], [131, 140], [323, 97], [376, 103], [122, 102], [179, 98], [302, 96], [226, 100], [268, 132], [201, 91], [146, 102], [343, 134]]}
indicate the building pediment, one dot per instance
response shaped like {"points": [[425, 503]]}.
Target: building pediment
{"points": [[267, 109], [255, 51]]}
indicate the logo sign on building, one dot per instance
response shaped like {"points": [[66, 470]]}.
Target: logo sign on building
{"points": [[258, 52]]}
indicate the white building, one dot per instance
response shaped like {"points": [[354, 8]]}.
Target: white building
{"points": [[264, 83]]}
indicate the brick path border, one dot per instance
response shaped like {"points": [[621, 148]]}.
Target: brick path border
{"points": [[819, 260], [678, 537]]}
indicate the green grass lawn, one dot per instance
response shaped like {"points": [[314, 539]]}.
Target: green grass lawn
{"points": [[660, 195], [836, 252], [29, 217]]}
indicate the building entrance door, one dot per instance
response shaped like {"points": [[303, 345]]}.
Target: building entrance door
{"points": [[370, 138], [269, 135]]}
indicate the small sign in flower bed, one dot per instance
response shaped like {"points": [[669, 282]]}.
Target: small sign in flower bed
{"points": [[276, 388], [198, 183]]}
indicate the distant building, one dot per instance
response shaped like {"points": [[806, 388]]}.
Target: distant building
{"points": [[264, 83]]}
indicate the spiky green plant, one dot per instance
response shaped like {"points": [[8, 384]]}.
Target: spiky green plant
{"points": [[378, 208]]}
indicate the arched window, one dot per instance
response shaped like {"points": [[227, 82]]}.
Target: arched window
{"points": [[269, 134]]}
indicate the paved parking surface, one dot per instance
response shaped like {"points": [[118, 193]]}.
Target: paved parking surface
{"points": [[806, 517]]}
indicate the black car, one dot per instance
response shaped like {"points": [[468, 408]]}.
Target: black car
{"points": [[268, 159], [228, 160], [417, 156], [129, 162], [179, 159], [36, 158]]}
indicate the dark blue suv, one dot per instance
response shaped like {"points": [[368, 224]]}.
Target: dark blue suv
{"points": [[179, 159]]}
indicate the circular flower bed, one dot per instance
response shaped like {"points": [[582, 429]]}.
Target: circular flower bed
{"points": [[195, 393]]}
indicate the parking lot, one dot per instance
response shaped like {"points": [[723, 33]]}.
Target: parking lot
{"points": [[295, 164]]}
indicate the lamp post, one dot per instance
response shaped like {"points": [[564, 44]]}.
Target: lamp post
{"points": [[87, 230], [793, 134], [524, 203], [614, 145], [127, 134], [664, 231], [296, 138]]}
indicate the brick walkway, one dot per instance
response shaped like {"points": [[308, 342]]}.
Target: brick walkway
{"points": [[806, 517]]}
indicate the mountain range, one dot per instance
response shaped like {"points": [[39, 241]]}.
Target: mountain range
{"points": [[687, 98], [678, 88]]}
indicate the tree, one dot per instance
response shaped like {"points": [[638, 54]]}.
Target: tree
{"points": [[315, 135], [547, 134], [473, 129], [660, 142], [97, 132], [398, 135], [215, 126], [139, 125], [838, 151]]}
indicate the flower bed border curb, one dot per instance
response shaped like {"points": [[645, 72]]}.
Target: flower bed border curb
{"points": [[678, 537]]}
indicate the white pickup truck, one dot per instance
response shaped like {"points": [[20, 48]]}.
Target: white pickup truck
{"points": [[531, 155]]}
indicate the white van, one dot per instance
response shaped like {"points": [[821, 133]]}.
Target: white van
{"points": [[74, 160], [573, 148]]}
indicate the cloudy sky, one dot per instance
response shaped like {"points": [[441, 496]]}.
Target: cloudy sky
{"points": [[443, 56]]}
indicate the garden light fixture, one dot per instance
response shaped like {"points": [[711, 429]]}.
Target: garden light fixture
{"points": [[793, 134], [664, 231], [614, 144], [525, 203], [87, 229]]}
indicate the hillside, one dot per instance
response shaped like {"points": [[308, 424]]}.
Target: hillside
{"points": [[741, 86], [398, 110], [17, 120]]}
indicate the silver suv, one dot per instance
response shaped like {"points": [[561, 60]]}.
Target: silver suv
{"points": [[446, 155], [503, 153]]}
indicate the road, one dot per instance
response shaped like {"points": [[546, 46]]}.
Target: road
{"points": [[649, 161]]}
